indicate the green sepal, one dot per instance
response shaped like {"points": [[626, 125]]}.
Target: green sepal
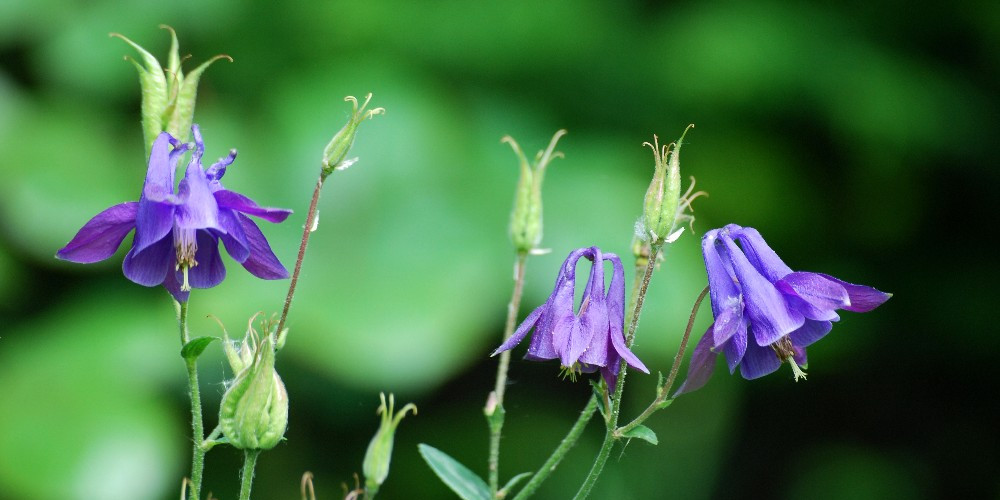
{"points": [[642, 432], [195, 347], [465, 483], [664, 404], [512, 483]]}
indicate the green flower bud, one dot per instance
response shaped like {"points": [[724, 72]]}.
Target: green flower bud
{"points": [[379, 454], [168, 96], [335, 153], [526, 218], [254, 410], [664, 206]]}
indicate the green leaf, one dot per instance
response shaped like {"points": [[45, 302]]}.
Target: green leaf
{"points": [[194, 348], [513, 482], [599, 394], [642, 432], [664, 404], [465, 483]]}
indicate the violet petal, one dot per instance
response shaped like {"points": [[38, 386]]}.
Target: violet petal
{"points": [[149, 266], [701, 366], [210, 270], [810, 332], [236, 201], [262, 262], [863, 298], [758, 361], [770, 317], [101, 236]]}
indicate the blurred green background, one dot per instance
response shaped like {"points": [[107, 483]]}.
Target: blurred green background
{"points": [[855, 136]]}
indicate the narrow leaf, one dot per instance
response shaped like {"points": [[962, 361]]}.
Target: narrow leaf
{"points": [[642, 432], [465, 483], [195, 347]]}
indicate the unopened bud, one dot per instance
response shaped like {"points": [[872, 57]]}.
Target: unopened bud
{"points": [[526, 218], [335, 154], [664, 206], [379, 454], [254, 410], [168, 96]]}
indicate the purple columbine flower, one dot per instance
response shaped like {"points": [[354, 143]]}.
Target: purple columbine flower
{"points": [[586, 340], [177, 234], [765, 314]]}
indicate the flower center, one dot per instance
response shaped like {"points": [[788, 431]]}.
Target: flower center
{"points": [[570, 372], [783, 349], [185, 244]]}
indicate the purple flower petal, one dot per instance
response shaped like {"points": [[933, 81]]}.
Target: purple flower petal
{"points": [[770, 317], [736, 348], [238, 202], [262, 262], [815, 289], [149, 266], [234, 238], [199, 209], [173, 286], [810, 332], [863, 298], [521, 332], [218, 169], [155, 216], [702, 364], [101, 236], [758, 361], [210, 270], [617, 315], [727, 303], [760, 254]]}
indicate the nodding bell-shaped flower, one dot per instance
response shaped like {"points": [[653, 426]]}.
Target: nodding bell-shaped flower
{"points": [[168, 95], [379, 454], [765, 313], [664, 208], [590, 338], [253, 414], [526, 218], [335, 153], [177, 234]]}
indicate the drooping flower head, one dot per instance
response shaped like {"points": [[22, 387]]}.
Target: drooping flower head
{"points": [[177, 234], [765, 314], [589, 338]]}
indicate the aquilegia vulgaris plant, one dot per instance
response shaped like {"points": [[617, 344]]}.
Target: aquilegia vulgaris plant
{"points": [[765, 313]]}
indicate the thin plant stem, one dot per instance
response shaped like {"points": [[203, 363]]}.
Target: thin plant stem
{"points": [[557, 455], [197, 426], [307, 230], [616, 401], [249, 462], [495, 402], [665, 390]]}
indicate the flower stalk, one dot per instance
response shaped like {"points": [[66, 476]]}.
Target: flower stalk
{"points": [[197, 425], [249, 463], [494, 405]]}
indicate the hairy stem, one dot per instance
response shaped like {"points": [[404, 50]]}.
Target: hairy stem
{"points": [[307, 230], [616, 401], [197, 426], [550, 465], [495, 402], [249, 462], [665, 390]]}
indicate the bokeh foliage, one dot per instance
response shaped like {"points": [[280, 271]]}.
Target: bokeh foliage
{"points": [[855, 137]]}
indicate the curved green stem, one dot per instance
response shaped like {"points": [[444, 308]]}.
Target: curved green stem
{"points": [[197, 426], [495, 402], [665, 390], [571, 437], [616, 401], [249, 462]]}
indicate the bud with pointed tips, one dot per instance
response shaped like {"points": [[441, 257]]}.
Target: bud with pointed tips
{"points": [[254, 410], [379, 454], [335, 153], [168, 96], [526, 218], [664, 206]]}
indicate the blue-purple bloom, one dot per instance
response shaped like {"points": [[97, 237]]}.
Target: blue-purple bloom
{"points": [[586, 340], [177, 234], [765, 314]]}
